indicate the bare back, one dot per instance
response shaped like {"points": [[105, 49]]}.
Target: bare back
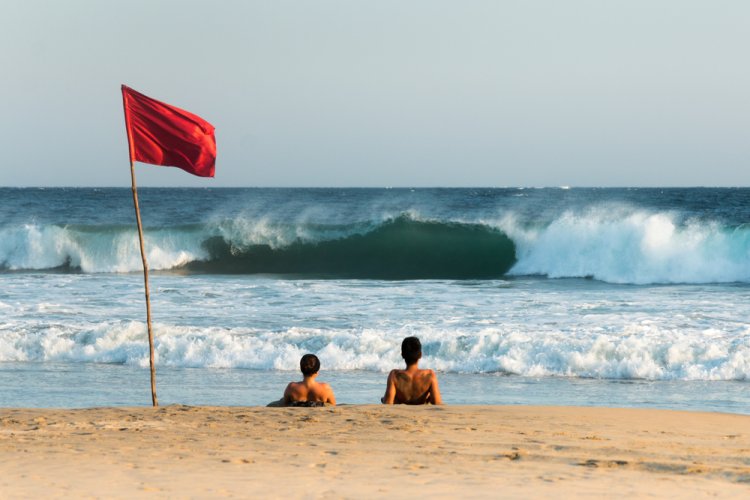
{"points": [[309, 390], [412, 387]]}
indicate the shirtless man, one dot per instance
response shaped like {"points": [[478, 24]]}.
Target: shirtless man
{"points": [[412, 386], [308, 392]]}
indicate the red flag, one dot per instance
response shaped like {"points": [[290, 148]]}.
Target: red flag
{"points": [[161, 134]]}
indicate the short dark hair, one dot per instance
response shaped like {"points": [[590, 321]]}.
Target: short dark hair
{"points": [[411, 350], [309, 364]]}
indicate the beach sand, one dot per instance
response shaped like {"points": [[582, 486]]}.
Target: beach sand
{"points": [[373, 451]]}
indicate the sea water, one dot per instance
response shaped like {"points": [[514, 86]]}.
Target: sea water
{"points": [[619, 297]]}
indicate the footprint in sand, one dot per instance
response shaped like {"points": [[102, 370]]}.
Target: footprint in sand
{"points": [[603, 463], [512, 455], [237, 461]]}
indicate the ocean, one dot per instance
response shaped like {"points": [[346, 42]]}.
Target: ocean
{"points": [[581, 296]]}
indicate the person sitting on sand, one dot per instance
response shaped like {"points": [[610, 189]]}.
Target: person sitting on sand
{"points": [[308, 392], [412, 386]]}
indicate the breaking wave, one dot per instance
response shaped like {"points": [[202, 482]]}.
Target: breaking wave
{"points": [[619, 245], [399, 248], [636, 353], [616, 245]]}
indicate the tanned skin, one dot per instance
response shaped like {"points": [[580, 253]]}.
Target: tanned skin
{"points": [[309, 390], [412, 387]]}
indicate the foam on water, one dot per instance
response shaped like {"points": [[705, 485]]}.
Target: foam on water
{"points": [[95, 249], [632, 351], [622, 245]]}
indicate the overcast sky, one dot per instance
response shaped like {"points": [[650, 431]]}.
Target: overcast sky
{"points": [[385, 93]]}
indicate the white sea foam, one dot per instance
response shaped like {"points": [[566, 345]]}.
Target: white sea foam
{"points": [[625, 246], [639, 352], [31, 246]]}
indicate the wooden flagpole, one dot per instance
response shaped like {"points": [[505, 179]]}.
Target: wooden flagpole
{"points": [[154, 401]]}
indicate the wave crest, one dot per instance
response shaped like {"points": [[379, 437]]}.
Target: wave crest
{"points": [[400, 248], [612, 244], [632, 247]]}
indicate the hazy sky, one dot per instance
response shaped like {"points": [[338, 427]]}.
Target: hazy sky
{"points": [[385, 93]]}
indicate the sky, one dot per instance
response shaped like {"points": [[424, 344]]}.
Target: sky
{"points": [[384, 93]]}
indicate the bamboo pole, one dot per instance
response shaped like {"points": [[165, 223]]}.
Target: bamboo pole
{"points": [[154, 401]]}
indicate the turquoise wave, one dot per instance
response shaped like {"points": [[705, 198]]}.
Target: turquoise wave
{"points": [[400, 248]]}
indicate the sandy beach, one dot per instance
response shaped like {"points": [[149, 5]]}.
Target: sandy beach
{"points": [[372, 451]]}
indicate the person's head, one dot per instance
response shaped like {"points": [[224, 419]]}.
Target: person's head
{"points": [[411, 350], [309, 364]]}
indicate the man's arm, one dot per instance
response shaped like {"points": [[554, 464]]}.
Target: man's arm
{"points": [[287, 394], [330, 398], [390, 389], [435, 397]]}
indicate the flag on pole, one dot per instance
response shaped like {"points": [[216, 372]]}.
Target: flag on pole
{"points": [[162, 134]]}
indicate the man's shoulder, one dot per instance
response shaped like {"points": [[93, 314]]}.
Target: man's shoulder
{"points": [[292, 387]]}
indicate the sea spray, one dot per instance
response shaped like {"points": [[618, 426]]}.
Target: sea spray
{"points": [[632, 246]]}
